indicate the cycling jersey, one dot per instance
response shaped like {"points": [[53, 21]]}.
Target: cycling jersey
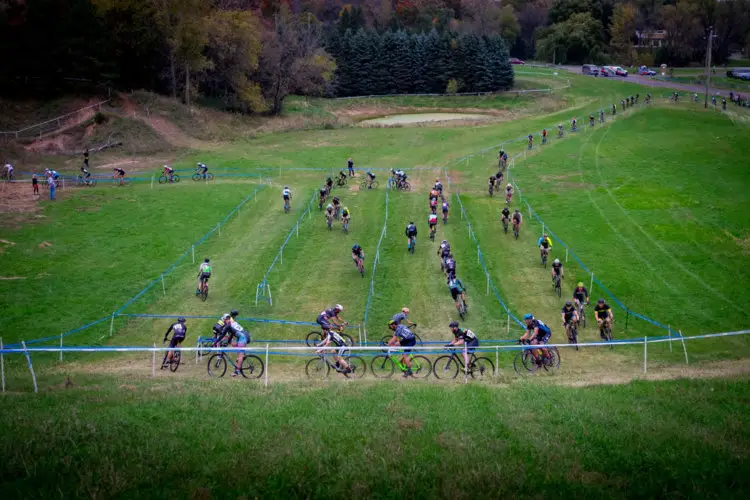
{"points": [[403, 333], [322, 192], [455, 284], [438, 186], [286, 193], [202, 166], [432, 219], [445, 206], [465, 334], [517, 217], [602, 310], [450, 265], [445, 251], [544, 242], [179, 329], [568, 313], [411, 230], [236, 330], [205, 269], [219, 329], [580, 293], [119, 171], [370, 175], [433, 203], [544, 331], [557, 267], [169, 169], [345, 214], [506, 213], [399, 317]]}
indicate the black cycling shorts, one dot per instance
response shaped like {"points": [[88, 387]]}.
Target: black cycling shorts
{"points": [[471, 345], [455, 293], [407, 343], [176, 341]]}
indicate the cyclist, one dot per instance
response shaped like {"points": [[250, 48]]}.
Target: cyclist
{"points": [[648, 98], [346, 215], [220, 328], [557, 269], [411, 233], [201, 169], [569, 315], [433, 205], [169, 173], [84, 173], [400, 177], [508, 192], [538, 333], [8, 170], [287, 195], [560, 130], [402, 317], [723, 104], [591, 120], [614, 109], [517, 219], [242, 336], [342, 178], [358, 255], [580, 294], [322, 196], [445, 207], [179, 331], [574, 123], [350, 166], [491, 184], [531, 141], [329, 215], [35, 184], [432, 220], [404, 337], [336, 207], [438, 186], [457, 289], [434, 193], [333, 337], [450, 266], [463, 336], [544, 136], [444, 250], [329, 185], [502, 157], [636, 98], [329, 316], [603, 314], [713, 100], [505, 219], [119, 173], [370, 179], [204, 273], [545, 244], [601, 116]]}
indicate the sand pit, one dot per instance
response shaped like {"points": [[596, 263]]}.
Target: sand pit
{"points": [[424, 118]]}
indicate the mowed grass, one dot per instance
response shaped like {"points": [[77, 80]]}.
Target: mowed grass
{"points": [[660, 217], [130, 437]]}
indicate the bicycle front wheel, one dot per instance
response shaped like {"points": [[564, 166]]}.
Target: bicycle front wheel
{"points": [[554, 361], [175, 364], [252, 367], [358, 367], [163, 179], [482, 369], [313, 339], [406, 186], [382, 366], [420, 367], [317, 368], [374, 184], [197, 177], [217, 366], [175, 178], [445, 367]]}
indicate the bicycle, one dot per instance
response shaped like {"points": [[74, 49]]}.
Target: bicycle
{"points": [[367, 184], [544, 259], [203, 290], [445, 217], [83, 181], [360, 267], [345, 225], [403, 186], [197, 176], [384, 365], [320, 366], [557, 279], [491, 190], [314, 338], [447, 366], [174, 363], [582, 314], [508, 197], [341, 181], [252, 366], [572, 331], [7, 177], [605, 330], [174, 178], [329, 221], [515, 230], [286, 206], [412, 244], [461, 307], [525, 362], [504, 220], [433, 230]]}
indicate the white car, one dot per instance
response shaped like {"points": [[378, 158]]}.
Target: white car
{"points": [[619, 71]]}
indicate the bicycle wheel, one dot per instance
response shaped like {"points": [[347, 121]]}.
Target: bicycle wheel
{"points": [[461, 309], [164, 363], [554, 362], [374, 184], [92, 182], [197, 176], [348, 339], [574, 336], [524, 362], [209, 177], [382, 366], [175, 178], [505, 227], [420, 367], [544, 260], [515, 231], [176, 358], [406, 186], [252, 366], [313, 339], [384, 341], [204, 345], [558, 288], [163, 179], [358, 367], [445, 367], [419, 339], [217, 365], [482, 368], [317, 368], [204, 293]]}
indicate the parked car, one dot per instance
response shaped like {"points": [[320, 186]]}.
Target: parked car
{"points": [[590, 69], [643, 70], [619, 71], [515, 60], [740, 73], [606, 71]]}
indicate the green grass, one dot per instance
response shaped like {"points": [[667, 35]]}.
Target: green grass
{"points": [[145, 438]]}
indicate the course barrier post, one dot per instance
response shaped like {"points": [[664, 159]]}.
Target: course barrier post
{"points": [[497, 360], [112, 324], [669, 331], [466, 366], [2, 363], [627, 316], [163, 287], [281, 256], [488, 284], [153, 361], [31, 367], [591, 284], [218, 226], [683, 346], [508, 327], [270, 298], [193, 249], [298, 230], [265, 381], [61, 345], [152, 182], [645, 354], [566, 255]]}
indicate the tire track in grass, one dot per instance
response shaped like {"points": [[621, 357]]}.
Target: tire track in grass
{"points": [[653, 241]]}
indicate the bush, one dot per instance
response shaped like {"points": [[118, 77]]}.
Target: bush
{"points": [[452, 86]]}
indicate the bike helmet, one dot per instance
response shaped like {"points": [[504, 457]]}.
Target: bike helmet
{"points": [[166, 166], [180, 319], [453, 324], [234, 313], [600, 301], [528, 316], [339, 307], [206, 260], [405, 310], [225, 317], [286, 187], [346, 209], [557, 261], [568, 303], [580, 284], [336, 198], [509, 185], [517, 210], [392, 323], [444, 241], [411, 223]]}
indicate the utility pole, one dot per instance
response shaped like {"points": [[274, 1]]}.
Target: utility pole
{"points": [[708, 64]]}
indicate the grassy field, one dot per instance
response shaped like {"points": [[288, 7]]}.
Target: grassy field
{"points": [[134, 438]]}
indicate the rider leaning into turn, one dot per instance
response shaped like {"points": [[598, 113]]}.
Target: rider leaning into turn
{"points": [[204, 273], [403, 317], [201, 168], [463, 336], [538, 333], [332, 337], [404, 337], [179, 331], [238, 336]]}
